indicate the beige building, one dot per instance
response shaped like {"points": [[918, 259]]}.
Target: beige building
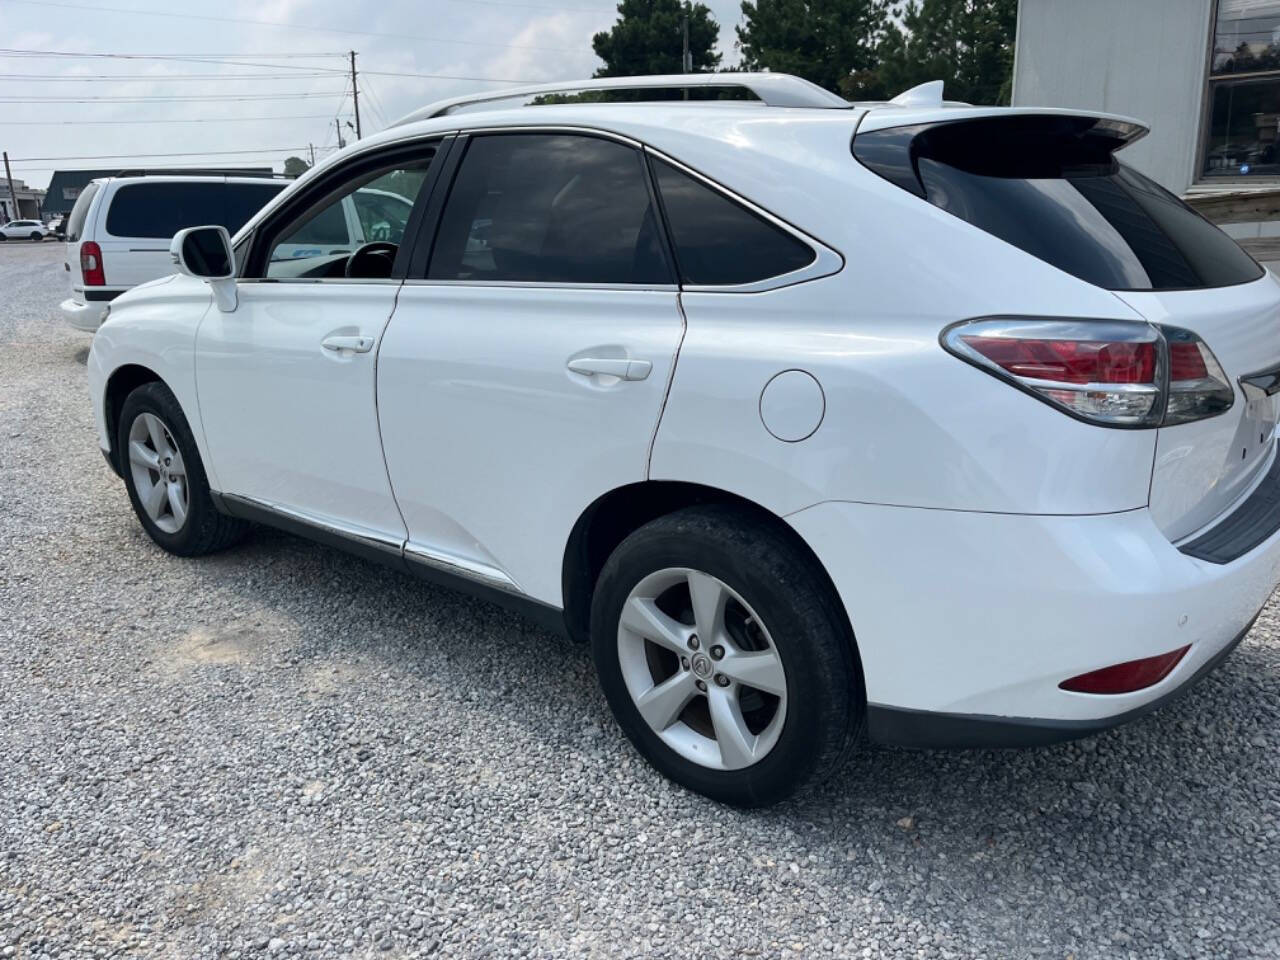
{"points": [[28, 204]]}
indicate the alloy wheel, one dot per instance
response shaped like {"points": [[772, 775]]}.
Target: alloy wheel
{"points": [[701, 669], [159, 474]]}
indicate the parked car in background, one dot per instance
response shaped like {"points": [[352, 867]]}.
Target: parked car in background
{"points": [[118, 233], [58, 227], [24, 230], [969, 442]]}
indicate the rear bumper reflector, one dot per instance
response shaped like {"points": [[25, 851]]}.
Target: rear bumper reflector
{"points": [[1251, 523], [1128, 676]]}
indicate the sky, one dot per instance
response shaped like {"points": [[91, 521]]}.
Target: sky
{"points": [[460, 43]]}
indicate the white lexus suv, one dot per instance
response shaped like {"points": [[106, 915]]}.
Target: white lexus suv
{"points": [[928, 420]]}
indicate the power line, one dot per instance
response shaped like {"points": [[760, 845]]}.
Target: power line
{"points": [[218, 59], [138, 156], [153, 77], [289, 26], [197, 98], [80, 123]]}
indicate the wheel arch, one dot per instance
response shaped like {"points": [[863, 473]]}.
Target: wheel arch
{"points": [[122, 382], [612, 517]]}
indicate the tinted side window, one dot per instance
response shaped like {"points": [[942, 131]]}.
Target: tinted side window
{"points": [[549, 208], [719, 242], [160, 210], [243, 200], [75, 223]]}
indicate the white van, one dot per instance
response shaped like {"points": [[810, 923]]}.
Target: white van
{"points": [[119, 231]]}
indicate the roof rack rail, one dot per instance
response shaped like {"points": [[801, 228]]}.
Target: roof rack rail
{"points": [[200, 172], [773, 89]]}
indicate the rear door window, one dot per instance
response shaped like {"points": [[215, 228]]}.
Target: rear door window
{"points": [[75, 223], [159, 210], [1052, 187], [549, 208]]}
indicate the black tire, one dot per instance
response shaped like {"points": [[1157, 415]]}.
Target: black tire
{"points": [[792, 597], [36, 237], [204, 530]]}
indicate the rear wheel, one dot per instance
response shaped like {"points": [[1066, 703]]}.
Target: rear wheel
{"points": [[36, 236], [165, 476], [724, 656]]}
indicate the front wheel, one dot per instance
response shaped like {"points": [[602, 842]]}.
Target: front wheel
{"points": [[725, 656], [165, 476]]}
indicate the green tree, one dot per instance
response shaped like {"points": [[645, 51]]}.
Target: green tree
{"points": [[647, 39], [295, 166], [833, 43], [968, 44]]}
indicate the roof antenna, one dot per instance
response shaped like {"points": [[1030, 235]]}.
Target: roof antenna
{"points": [[925, 95]]}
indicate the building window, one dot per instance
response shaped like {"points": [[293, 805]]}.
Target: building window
{"points": [[1244, 91]]}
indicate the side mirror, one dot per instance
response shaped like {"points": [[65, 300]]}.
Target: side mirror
{"points": [[205, 253]]}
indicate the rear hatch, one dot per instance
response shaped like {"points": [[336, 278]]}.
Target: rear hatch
{"points": [[1050, 184]]}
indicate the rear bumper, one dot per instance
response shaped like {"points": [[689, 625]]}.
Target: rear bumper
{"points": [[967, 622], [922, 728], [83, 316]]}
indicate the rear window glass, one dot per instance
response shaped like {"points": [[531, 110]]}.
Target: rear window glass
{"points": [[1052, 187], [75, 223], [159, 210], [719, 242]]}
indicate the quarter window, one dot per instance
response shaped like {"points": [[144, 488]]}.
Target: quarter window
{"points": [[549, 208], [720, 242]]}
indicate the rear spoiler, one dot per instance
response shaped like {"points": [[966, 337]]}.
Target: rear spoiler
{"points": [[1008, 143]]}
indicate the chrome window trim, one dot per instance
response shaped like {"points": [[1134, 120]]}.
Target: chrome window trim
{"points": [[827, 260], [548, 285]]}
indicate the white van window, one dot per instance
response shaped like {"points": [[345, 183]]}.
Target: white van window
{"points": [[75, 223]]}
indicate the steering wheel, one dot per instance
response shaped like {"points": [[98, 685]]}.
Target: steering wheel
{"points": [[372, 260]]}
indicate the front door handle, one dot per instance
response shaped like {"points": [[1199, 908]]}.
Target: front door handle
{"points": [[622, 369], [354, 344]]}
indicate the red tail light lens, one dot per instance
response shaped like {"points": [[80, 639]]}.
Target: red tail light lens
{"points": [[91, 265], [1198, 387], [1071, 361], [1114, 373], [1127, 677]]}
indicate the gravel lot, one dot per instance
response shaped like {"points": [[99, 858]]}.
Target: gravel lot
{"points": [[282, 750]]}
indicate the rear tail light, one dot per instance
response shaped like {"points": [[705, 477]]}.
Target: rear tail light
{"points": [[1115, 373], [91, 265], [1127, 677]]}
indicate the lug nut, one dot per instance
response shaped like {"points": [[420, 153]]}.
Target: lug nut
{"points": [[717, 652], [721, 680], [701, 685], [684, 662], [693, 641]]}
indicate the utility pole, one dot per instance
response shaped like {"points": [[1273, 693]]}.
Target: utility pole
{"points": [[686, 65], [312, 148], [338, 126], [13, 194], [355, 93]]}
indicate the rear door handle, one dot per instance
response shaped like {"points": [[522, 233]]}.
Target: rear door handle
{"points": [[622, 369], [354, 344]]}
